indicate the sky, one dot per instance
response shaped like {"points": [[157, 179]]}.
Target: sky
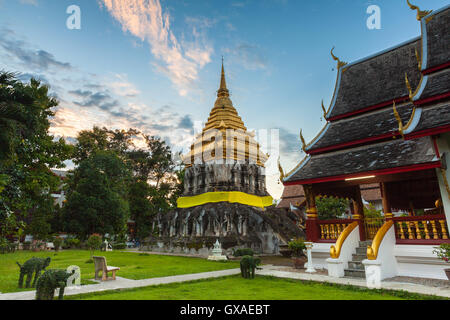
{"points": [[155, 65]]}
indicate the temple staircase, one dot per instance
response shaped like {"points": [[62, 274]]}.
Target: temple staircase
{"points": [[355, 267]]}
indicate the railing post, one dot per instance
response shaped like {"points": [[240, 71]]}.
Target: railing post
{"points": [[358, 208]]}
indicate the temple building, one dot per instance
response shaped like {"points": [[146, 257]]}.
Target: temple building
{"points": [[225, 194], [388, 124]]}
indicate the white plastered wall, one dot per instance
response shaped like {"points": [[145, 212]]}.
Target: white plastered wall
{"points": [[443, 142]]}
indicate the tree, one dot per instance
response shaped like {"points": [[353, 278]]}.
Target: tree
{"points": [[97, 196], [331, 208], [28, 152], [102, 139], [155, 185]]}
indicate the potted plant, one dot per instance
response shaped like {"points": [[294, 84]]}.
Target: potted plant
{"points": [[443, 252], [298, 256]]}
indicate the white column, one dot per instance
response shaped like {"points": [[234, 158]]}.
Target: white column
{"points": [[443, 143]]}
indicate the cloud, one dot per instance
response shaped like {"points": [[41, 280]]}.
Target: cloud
{"points": [[186, 123], [32, 2], [180, 61], [250, 56], [31, 58], [26, 77], [122, 87]]}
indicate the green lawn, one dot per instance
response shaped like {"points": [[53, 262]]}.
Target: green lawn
{"points": [[132, 265], [237, 288]]}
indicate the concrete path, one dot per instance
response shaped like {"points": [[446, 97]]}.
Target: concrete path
{"points": [[410, 287], [122, 283]]}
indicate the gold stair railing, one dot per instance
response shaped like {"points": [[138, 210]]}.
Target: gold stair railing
{"points": [[372, 251], [335, 250]]}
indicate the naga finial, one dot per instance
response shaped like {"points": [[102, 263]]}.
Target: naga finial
{"points": [[419, 60], [399, 120], [324, 111], [303, 141], [420, 14], [340, 63], [408, 85], [281, 170]]}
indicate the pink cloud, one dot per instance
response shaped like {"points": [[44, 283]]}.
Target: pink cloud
{"points": [[145, 19]]}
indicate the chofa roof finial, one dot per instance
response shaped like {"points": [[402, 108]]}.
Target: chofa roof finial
{"points": [[324, 111], [408, 85], [303, 141], [340, 63], [420, 14], [399, 120]]}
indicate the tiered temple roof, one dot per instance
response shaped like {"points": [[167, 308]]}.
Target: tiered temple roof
{"points": [[364, 135]]}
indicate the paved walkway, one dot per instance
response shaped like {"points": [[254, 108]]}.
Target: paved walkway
{"points": [[389, 285], [122, 283], [268, 270]]}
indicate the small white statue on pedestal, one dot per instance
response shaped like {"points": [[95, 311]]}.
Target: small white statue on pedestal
{"points": [[108, 247], [309, 264], [217, 253]]}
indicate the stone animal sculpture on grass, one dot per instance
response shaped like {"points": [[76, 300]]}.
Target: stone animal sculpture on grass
{"points": [[34, 265], [248, 266], [49, 282]]}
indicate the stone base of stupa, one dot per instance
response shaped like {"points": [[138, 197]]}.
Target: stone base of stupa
{"points": [[194, 231]]}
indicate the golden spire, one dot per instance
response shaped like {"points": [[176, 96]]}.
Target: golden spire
{"points": [[420, 14], [223, 110], [223, 91]]}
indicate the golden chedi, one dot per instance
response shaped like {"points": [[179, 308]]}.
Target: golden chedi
{"points": [[225, 194]]}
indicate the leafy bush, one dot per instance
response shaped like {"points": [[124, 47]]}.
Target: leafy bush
{"points": [[331, 208], [57, 242], [94, 242], [297, 246], [119, 246], [71, 243], [371, 212], [243, 252], [443, 252], [7, 247]]}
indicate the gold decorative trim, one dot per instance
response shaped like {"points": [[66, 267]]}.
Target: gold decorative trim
{"points": [[296, 167], [335, 251], [420, 14], [372, 251], [399, 120], [280, 168], [408, 85]]}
